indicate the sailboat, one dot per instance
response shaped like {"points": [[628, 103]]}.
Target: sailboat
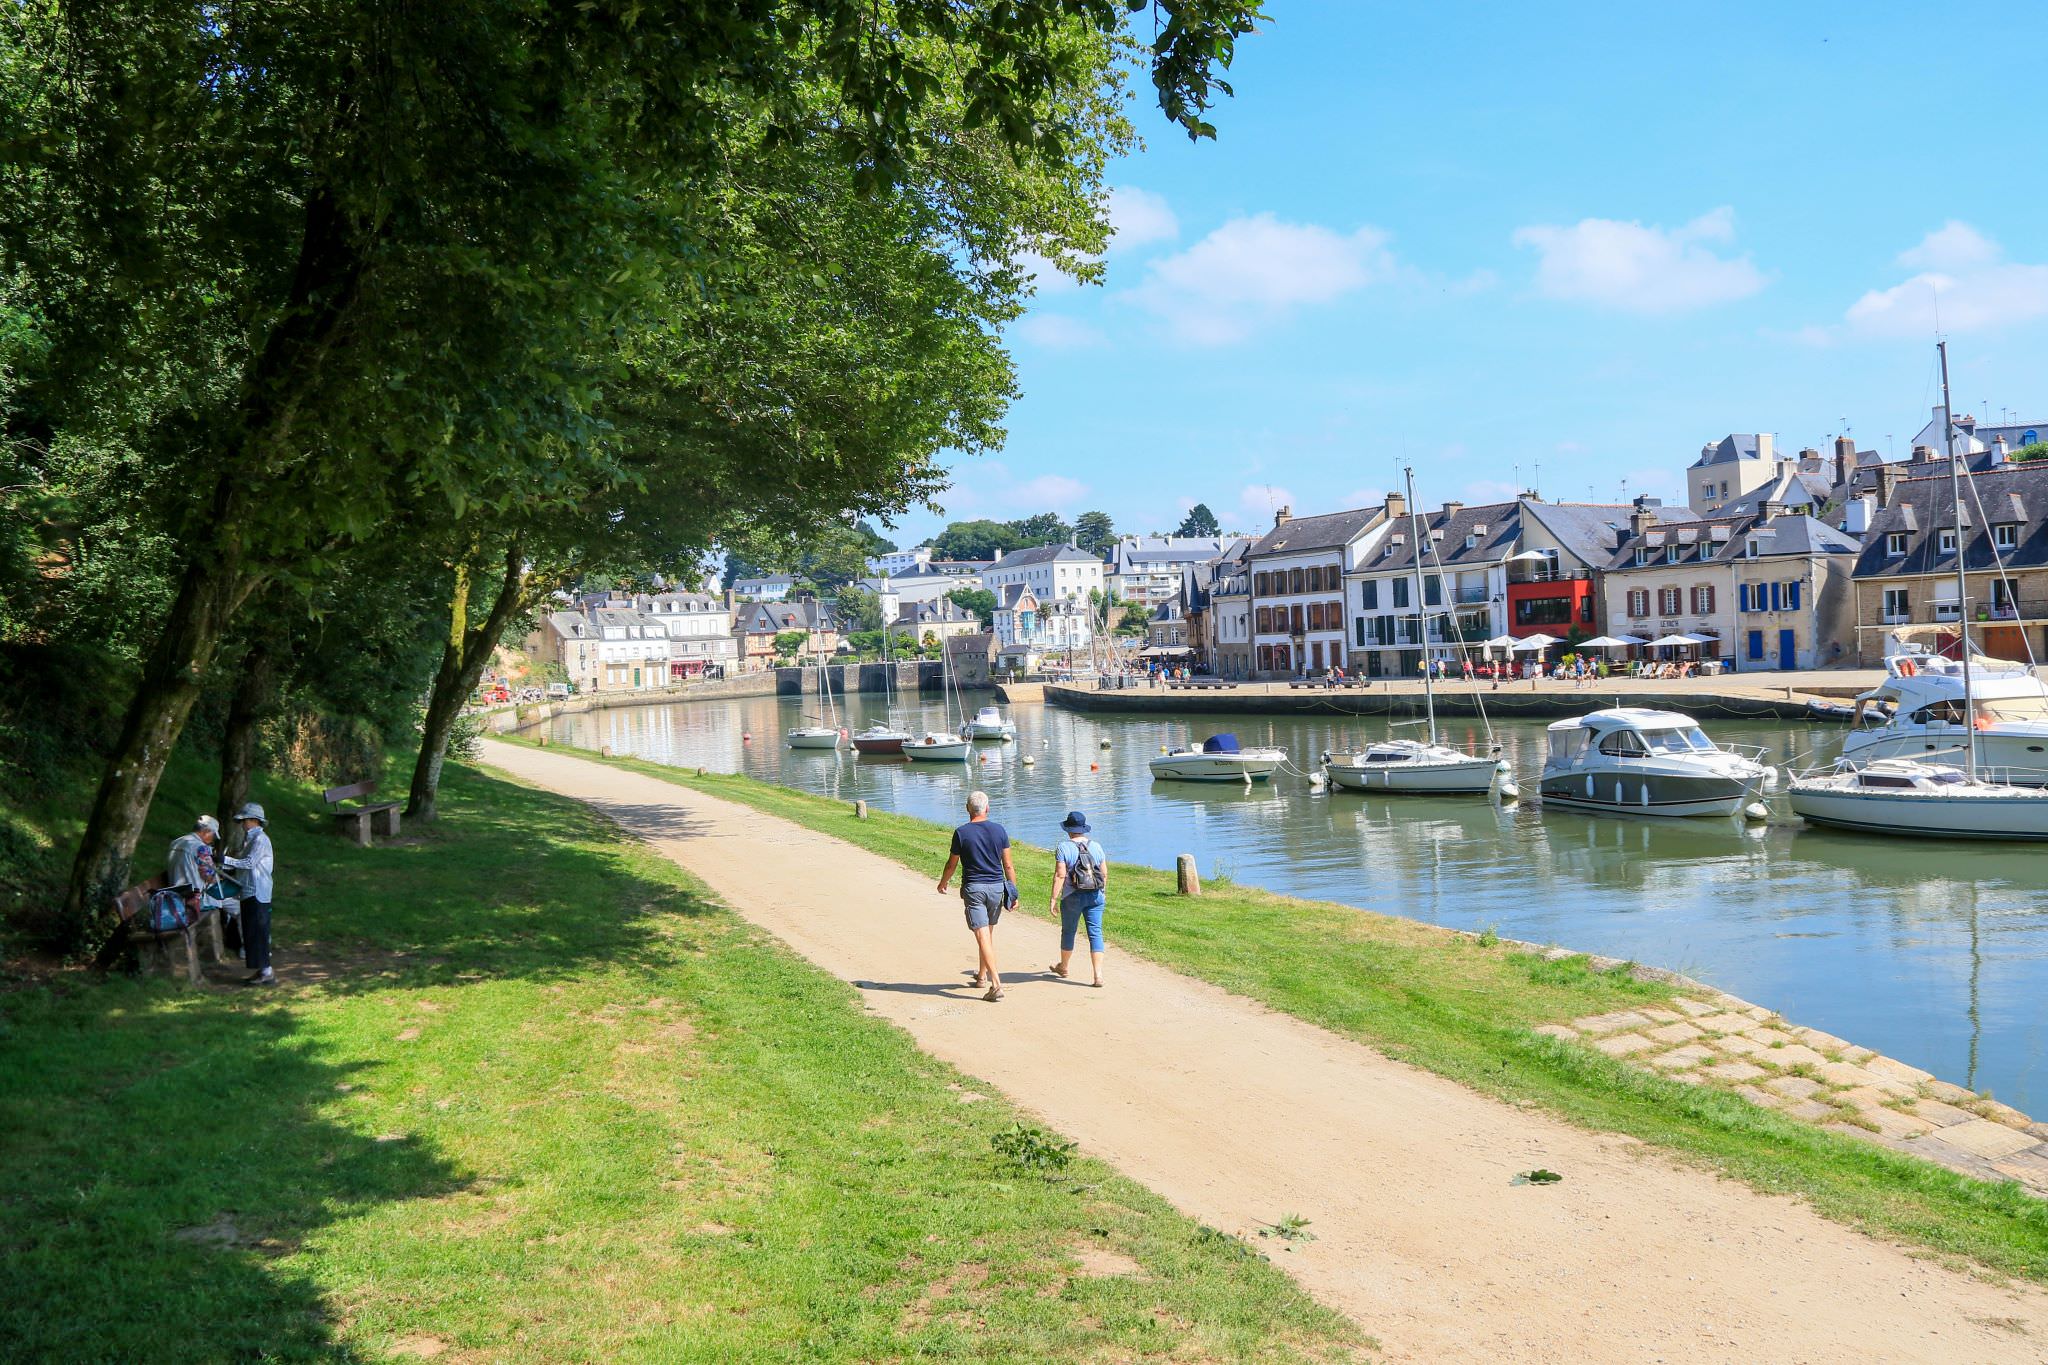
{"points": [[1418, 765], [937, 745], [882, 737], [1899, 796], [824, 736]]}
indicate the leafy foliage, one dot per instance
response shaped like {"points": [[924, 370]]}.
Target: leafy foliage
{"points": [[1199, 521], [2037, 450], [980, 601], [1033, 1149], [1094, 532]]}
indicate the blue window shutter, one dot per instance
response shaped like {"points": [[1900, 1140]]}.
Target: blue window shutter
{"points": [[1792, 595], [1774, 597]]}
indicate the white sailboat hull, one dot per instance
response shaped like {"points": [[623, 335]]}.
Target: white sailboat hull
{"points": [[2016, 754], [813, 739], [1975, 814], [1254, 764], [1425, 774], [941, 750]]}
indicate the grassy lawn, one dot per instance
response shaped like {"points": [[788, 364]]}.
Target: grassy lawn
{"points": [[544, 1100], [1466, 1009]]}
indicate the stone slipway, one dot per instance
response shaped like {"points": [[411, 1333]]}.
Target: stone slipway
{"points": [[1240, 1115]]}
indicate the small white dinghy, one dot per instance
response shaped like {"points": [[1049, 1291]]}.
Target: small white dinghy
{"points": [[988, 723], [1220, 759], [1898, 796], [938, 747]]}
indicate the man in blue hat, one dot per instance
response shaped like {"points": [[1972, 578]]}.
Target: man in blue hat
{"points": [[1080, 891], [981, 850]]}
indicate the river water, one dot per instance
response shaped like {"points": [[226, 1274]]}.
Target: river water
{"points": [[1933, 953]]}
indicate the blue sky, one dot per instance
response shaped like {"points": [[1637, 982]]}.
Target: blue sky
{"points": [[1584, 239]]}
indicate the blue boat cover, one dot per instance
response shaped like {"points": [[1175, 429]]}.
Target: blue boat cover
{"points": [[1220, 744]]}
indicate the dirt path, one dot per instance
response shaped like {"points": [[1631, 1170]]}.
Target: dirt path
{"points": [[1239, 1115]]}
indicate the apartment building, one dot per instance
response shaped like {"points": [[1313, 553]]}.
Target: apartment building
{"points": [[1297, 573]]}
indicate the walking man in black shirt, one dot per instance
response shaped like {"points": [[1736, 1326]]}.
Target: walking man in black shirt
{"points": [[981, 852]]}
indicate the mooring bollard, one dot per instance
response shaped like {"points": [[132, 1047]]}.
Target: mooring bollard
{"points": [[1190, 881], [541, 740], [605, 749], [860, 810]]}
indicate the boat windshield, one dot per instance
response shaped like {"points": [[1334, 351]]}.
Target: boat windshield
{"points": [[1944, 777], [1688, 740], [1566, 745]]}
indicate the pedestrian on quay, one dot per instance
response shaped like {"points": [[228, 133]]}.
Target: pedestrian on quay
{"points": [[981, 852], [259, 868], [1080, 891]]}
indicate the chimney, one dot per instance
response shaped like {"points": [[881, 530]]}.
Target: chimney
{"points": [[1531, 495], [1922, 454], [1641, 519], [1845, 459], [1282, 515], [1765, 444], [1451, 509], [1888, 481], [1856, 514], [1998, 450], [1397, 506], [1968, 422], [1772, 510], [1810, 461]]}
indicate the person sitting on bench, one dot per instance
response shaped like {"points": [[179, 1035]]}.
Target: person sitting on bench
{"points": [[190, 863]]}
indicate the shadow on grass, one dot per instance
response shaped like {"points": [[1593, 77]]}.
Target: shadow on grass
{"points": [[161, 1149]]}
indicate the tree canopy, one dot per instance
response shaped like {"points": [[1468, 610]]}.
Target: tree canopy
{"points": [[1094, 532], [1199, 521]]}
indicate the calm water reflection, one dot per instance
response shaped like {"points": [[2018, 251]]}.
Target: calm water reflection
{"points": [[1936, 954]]}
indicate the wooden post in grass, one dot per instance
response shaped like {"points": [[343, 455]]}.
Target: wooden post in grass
{"points": [[860, 810], [1189, 881], [605, 749]]}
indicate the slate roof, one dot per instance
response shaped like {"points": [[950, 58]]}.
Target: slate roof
{"points": [[943, 611], [1044, 554], [1921, 507], [1739, 445], [1726, 540], [1498, 525], [768, 618], [1331, 531], [1794, 489], [1137, 553], [1591, 530], [1802, 535]]}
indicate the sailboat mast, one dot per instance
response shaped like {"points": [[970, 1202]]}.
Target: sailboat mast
{"points": [[1421, 612], [1955, 475]]}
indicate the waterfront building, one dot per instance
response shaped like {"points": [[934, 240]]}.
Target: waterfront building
{"points": [[1730, 467], [1906, 573], [1297, 571], [1463, 556], [1226, 636], [1149, 570], [774, 587], [1553, 577], [605, 646], [1199, 589], [893, 562], [1054, 573], [699, 628], [936, 619], [1027, 627], [759, 623], [959, 568], [919, 587]]}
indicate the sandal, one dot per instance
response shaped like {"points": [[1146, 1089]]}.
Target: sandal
{"points": [[1057, 970], [994, 993]]}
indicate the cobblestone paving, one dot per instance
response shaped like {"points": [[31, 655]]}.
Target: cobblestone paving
{"points": [[1818, 1078]]}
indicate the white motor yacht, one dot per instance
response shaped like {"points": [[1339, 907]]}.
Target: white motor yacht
{"points": [[1411, 765], [988, 723], [1636, 761], [1921, 800], [938, 747], [2008, 709], [1220, 759]]}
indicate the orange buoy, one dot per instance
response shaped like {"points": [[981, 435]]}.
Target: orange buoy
{"points": [[1094, 767], [746, 738]]}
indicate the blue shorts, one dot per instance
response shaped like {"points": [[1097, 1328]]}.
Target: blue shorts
{"points": [[983, 902], [1082, 906]]}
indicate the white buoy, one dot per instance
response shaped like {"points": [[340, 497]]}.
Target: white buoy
{"points": [[1509, 791], [1029, 761], [1757, 810], [1105, 744], [1502, 767]]}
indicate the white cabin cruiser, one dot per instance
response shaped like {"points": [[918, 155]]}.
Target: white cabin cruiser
{"points": [[1411, 765], [1220, 759], [988, 723], [2008, 708], [1922, 800], [1636, 761], [938, 747]]}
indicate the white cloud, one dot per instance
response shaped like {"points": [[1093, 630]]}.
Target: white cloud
{"points": [[1964, 284], [1954, 245], [1046, 278], [1139, 218], [1260, 500], [1641, 269], [1254, 271], [1055, 331], [1047, 490]]}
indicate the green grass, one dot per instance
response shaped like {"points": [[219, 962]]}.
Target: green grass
{"points": [[548, 1101], [1465, 1008]]}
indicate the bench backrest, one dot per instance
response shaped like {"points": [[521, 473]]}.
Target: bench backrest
{"points": [[131, 901], [334, 796]]}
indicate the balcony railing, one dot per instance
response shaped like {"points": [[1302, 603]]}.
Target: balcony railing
{"points": [[1518, 574], [1467, 597], [1991, 613]]}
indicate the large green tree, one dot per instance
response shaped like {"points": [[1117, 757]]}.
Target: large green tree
{"points": [[1046, 528], [1199, 521], [313, 263], [975, 540], [1094, 532]]}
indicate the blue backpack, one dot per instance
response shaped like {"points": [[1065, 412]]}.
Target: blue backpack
{"points": [[167, 913]]}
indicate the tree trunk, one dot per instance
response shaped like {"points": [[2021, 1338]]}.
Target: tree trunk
{"points": [[211, 590], [248, 706], [463, 657]]}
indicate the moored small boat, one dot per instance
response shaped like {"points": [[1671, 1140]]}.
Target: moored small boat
{"points": [[1409, 765], [880, 739], [813, 737], [1898, 796], [988, 723], [1220, 759], [938, 747], [1636, 761]]}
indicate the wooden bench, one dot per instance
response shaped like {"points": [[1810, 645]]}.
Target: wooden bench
{"points": [[131, 905], [361, 818]]}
